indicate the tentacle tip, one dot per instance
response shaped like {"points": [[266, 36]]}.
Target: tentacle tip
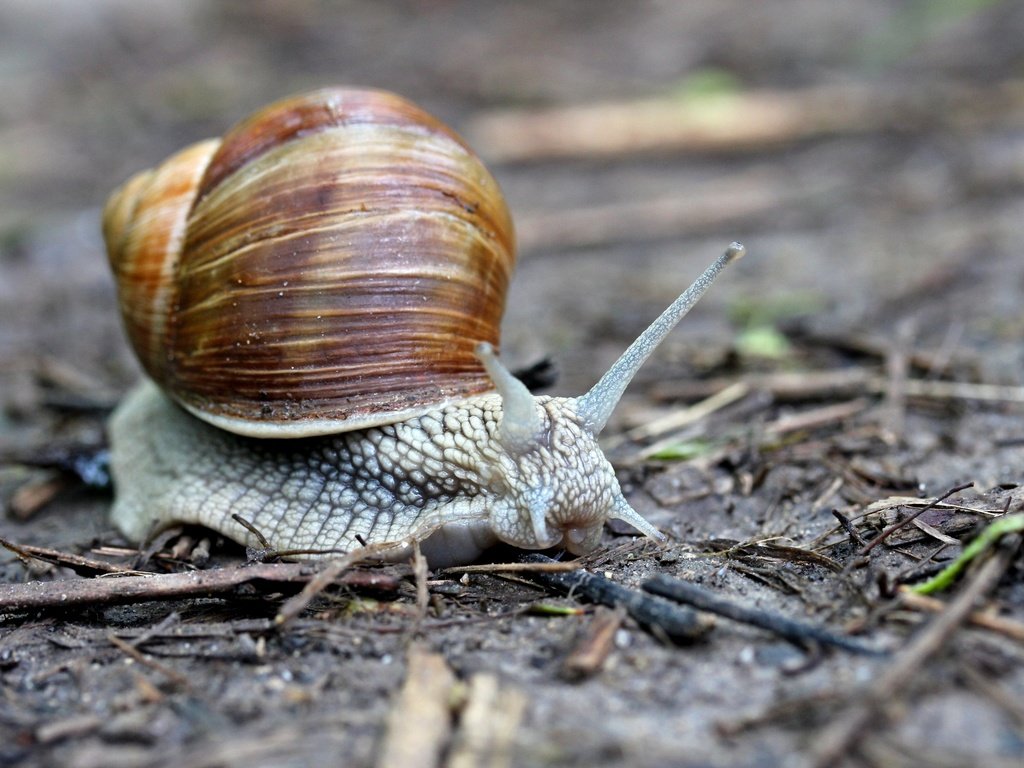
{"points": [[484, 350], [735, 252]]}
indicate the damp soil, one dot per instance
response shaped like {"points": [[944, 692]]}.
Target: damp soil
{"points": [[863, 360]]}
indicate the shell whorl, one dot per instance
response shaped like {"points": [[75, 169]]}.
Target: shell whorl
{"points": [[330, 264]]}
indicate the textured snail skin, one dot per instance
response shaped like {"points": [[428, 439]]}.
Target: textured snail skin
{"points": [[442, 479]]}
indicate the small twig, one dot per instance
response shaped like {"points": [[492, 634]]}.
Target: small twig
{"points": [[831, 490], [419, 572], [79, 564], [892, 502], [922, 568], [154, 630], [662, 617], [118, 590], [816, 417], [783, 387], [130, 650], [811, 385], [848, 527], [678, 419], [767, 549], [965, 390], [794, 631], [836, 740], [552, 566], [72, 727], [908, 520], [266, 553], [935, 533], [1009, 627], [298, 603]]}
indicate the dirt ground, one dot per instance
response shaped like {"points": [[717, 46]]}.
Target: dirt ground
{"points": [[867, 356]]}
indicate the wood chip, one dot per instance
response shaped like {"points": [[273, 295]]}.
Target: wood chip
{"points": [[490, 720], [419, 723], [934, 532], [594, 646], [31, 497], [69, 728]]}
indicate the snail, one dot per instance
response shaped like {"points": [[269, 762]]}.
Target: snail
{"points": [[315, 299]]}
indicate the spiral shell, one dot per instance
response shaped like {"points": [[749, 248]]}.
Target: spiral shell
{"points": [[329, 265]]}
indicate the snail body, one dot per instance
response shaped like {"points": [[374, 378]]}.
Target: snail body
{"points": [[315, 298]]}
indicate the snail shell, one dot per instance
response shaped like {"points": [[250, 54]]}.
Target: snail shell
{"points": [[334, 269], [330, 264]]}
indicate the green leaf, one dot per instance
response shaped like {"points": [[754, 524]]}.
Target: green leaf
{"points": [[689, 449], [550, 609], [763, 341]]}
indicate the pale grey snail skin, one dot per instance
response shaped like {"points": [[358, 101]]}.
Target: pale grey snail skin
{"points": [[503, 466], [442, 476]]}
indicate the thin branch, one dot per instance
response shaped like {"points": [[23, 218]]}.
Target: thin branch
{"points": [[118, 590], [554, 566], [130, 650], [298, 603], [982, 619], [677, 419], [734, 122], [662, 617], [841, 383], [78, 563], [795, 631]]}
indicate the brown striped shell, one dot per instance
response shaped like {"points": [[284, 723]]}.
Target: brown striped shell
{"points": [[330, 264]]}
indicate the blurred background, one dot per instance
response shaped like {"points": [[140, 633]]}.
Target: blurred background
{"points": [[870, 153]]}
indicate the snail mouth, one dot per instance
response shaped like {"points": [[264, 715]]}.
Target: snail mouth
{"points": [[575, 535], [582, 540]]}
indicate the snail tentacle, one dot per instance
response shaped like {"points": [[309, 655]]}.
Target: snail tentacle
{"points": [[597, 405], [520, 420]]}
